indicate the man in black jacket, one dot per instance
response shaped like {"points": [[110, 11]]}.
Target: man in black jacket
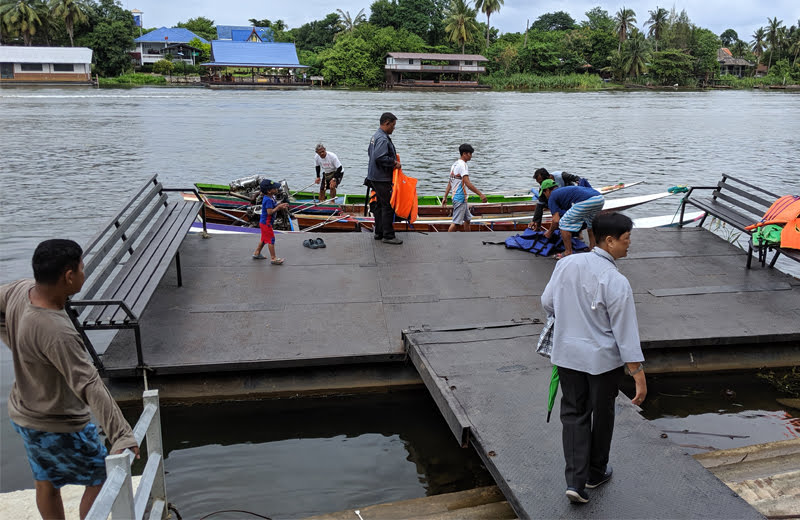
{"points": [[382, 162]]}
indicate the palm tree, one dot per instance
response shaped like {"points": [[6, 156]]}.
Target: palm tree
{"points": [[657, 23], [794, 42], [72, 11], [624, 20], [488, 7], [460, 23], [350, 23], [773, 36], [635, 55], [21, 17], [757, 45]]}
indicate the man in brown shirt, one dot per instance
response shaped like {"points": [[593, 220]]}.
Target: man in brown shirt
{"points": [[56, 386]]}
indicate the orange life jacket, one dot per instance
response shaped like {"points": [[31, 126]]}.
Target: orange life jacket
{"points": [[790, 236], [404, 195], [783, 210]]}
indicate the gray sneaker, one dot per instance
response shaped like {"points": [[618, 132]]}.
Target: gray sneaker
{"points": [[393, 240]]}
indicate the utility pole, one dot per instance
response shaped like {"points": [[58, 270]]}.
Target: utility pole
{"points": [[527, 26]]}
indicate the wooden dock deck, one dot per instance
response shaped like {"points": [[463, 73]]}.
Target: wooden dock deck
{"points": [[698, 307], [471, 314]]}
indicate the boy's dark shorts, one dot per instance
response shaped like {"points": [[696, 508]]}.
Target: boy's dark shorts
{"points": [[65, 458], [328, 177]]}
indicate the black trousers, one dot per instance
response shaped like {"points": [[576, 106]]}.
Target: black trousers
{"points": [[384, 214], [587, 417]]}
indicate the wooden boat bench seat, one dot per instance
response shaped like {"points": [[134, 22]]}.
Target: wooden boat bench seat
{"points": [[126, 261], [739, 204]]}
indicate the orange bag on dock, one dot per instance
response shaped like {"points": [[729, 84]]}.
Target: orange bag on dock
{"points": [[404, 196]]}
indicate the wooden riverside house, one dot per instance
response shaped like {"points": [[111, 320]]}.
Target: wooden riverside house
{"points": [[52, 65], [414, 70]]}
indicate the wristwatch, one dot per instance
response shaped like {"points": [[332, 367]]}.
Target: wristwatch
{"points": [[634, 372]]}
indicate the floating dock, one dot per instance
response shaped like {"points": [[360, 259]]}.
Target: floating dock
{"points": [[699, 309], [467, 315]]}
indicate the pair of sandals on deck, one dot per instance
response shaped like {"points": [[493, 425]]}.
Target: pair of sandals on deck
{"points": [[314, 243]]}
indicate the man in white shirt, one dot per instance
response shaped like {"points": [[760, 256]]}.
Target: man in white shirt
{"points": [[331, 168], [595, 335]]}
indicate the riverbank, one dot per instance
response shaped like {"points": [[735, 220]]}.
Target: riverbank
{"points": [[514, 82]]}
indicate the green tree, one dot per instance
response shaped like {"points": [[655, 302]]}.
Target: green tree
{"points": [[759, 40], [163, 66], [671, 67], [657, 22], [678, 33], [728, 37], [205, 50], [111, 37], [383, 13], [488, 7], [317, 35], [598, 19], [794, 42], [624, 20], [636, 53], [201, 26], [460, 24], [21, 17], [703, 48], [558, 21], [72, 12], [349, 23], [773, 37]]}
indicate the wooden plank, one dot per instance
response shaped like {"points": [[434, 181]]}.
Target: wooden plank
{"points": [[740, 204], [722, 212], [752, 186], [751, 196]]}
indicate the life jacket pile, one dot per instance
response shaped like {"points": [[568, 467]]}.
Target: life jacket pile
{"points": [[536, 243], [784, 212]]}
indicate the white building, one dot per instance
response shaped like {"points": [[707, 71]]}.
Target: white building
{"points": [[45, 64]]}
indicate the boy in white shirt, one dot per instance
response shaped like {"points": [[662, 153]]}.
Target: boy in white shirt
{"points": [[331, 169], [459, 180]]}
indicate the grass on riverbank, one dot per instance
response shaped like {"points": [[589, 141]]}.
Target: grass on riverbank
{"points": [[535, 82], [134, 78]]}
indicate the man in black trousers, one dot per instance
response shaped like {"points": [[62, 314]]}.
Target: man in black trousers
{"points": [[382, 162]]}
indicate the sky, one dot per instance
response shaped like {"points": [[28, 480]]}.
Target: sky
{"points": [[743, 16]]}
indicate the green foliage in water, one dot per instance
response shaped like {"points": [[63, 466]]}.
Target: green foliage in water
{"points": [[133, 79], [521, 81], [787, 381]]}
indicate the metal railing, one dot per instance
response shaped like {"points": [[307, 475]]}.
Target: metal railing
{"points": [[117, 497]]}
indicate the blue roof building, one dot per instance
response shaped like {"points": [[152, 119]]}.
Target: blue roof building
{"points": [[268, 63], [242, 33], [249, 54], [150, 47]]}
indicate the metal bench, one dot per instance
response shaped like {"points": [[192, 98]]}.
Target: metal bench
{"points": [[739, 204], [126, 261]]}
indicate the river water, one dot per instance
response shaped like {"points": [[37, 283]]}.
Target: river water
{"points": [[69, 156]]}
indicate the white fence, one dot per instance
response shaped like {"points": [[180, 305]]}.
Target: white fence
{"points": [[117, 497]]}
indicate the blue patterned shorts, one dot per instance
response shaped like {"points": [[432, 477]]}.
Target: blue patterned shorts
{"points": [[65, 458]]}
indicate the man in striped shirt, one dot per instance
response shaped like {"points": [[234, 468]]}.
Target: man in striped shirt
{"points": [[572, 207]]}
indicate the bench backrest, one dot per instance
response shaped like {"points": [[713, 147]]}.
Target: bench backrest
{"points": [[744, 197], [117, 242]]}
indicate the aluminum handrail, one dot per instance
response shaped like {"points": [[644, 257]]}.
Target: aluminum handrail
{"points": [[116, 497]]}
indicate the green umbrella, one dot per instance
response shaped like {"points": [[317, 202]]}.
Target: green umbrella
{"points": [[551, 399]]}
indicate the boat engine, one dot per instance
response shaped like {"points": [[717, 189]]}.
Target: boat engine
{"points": [[247, 186]]}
